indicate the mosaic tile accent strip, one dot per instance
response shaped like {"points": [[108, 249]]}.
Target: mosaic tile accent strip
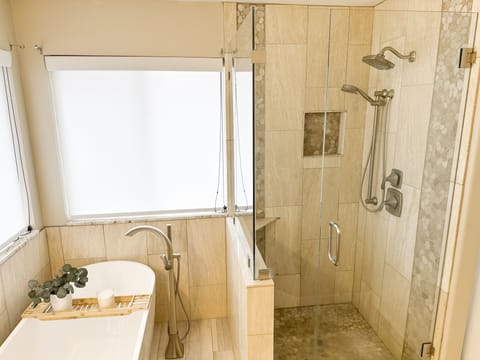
{"points": [[259, 88], [243, 10], [443, 127], [313, 134], [457, 5], [259, 95], [336, 332]]}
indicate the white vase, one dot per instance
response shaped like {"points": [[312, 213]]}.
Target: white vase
{"points": [[61, 304]]}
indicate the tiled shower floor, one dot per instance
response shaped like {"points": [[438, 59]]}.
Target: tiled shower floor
{"points": [[334, 332]]}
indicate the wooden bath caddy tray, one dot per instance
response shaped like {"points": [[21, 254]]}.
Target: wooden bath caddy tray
{"points": [[88, 308]]}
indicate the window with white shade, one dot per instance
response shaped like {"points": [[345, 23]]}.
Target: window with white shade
{"points": [[13, 201], [138, 135]]}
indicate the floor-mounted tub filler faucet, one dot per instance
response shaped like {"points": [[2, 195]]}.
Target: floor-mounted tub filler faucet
{"points": [[175, 348]]}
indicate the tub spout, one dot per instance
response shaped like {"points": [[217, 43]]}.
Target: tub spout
{"points": [[168, 258]]}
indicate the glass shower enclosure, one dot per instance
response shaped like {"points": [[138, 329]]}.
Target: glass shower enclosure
{"points": [[356, 121]]}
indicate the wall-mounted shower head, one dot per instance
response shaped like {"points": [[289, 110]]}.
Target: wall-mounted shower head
{"points": [[380, 62], [355, 90]]}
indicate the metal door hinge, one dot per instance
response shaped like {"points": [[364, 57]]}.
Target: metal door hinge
{"points": [[467, 58], [427, 350], [264, 274]]}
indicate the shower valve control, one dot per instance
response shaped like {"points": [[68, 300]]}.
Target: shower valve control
{"points": [[394, 202], [395, 179]]}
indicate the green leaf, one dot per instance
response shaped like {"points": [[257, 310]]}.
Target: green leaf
{"points": [[48, 284], [45, 294], [82, 272], [61, 293], [36, 300], [33, 284], [67, 268], [32, 294]]}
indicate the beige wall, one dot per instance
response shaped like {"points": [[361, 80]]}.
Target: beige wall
{"points": [[7, 35], [200, 242], [112, 27], [250, 302], [297, 48], [471, 347]]}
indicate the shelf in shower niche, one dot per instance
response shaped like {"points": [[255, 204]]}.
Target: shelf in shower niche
{"points": [[88, 308]]}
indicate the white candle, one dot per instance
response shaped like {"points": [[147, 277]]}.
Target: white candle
{"points": [[106, 299]]}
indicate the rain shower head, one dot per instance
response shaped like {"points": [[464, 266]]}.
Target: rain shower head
{"points": [[380, 62], [355, 90]]}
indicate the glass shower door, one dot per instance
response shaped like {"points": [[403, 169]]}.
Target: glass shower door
{"points": [[389, 187]]}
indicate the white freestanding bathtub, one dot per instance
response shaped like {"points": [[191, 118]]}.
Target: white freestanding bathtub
{"points": [[116, 337]]}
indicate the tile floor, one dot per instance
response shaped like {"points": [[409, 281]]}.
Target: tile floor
{"points": [[341, 333], [208, 340]]}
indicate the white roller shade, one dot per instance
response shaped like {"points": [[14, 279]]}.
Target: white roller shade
{"points": [[59, 63]]}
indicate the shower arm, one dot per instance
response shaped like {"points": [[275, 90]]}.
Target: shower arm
{"points": [[411, 56]]}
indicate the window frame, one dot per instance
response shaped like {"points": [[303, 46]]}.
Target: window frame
{"points": [[130, 63], [6, 75]]}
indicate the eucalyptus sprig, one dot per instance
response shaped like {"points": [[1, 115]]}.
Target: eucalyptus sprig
{"points": [[60, 286]]}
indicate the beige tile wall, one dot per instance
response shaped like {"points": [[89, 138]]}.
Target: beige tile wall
{"points": [[29, 262], [296, 75], [250, 302], [200, 242], [386, 244]]}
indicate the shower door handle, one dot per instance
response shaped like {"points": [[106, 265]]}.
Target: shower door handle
{"points": [[333, 258]]}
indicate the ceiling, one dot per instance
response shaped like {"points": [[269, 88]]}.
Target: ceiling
{"points": [[309, 2]]}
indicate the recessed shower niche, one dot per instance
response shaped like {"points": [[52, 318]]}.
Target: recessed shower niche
{"points": [[313, 143]]}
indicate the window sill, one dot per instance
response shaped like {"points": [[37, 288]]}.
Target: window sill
{"points": [[15, 246], [139, 218]]}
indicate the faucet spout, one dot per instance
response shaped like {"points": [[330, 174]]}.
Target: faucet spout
{"points": [[168, 258]]}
